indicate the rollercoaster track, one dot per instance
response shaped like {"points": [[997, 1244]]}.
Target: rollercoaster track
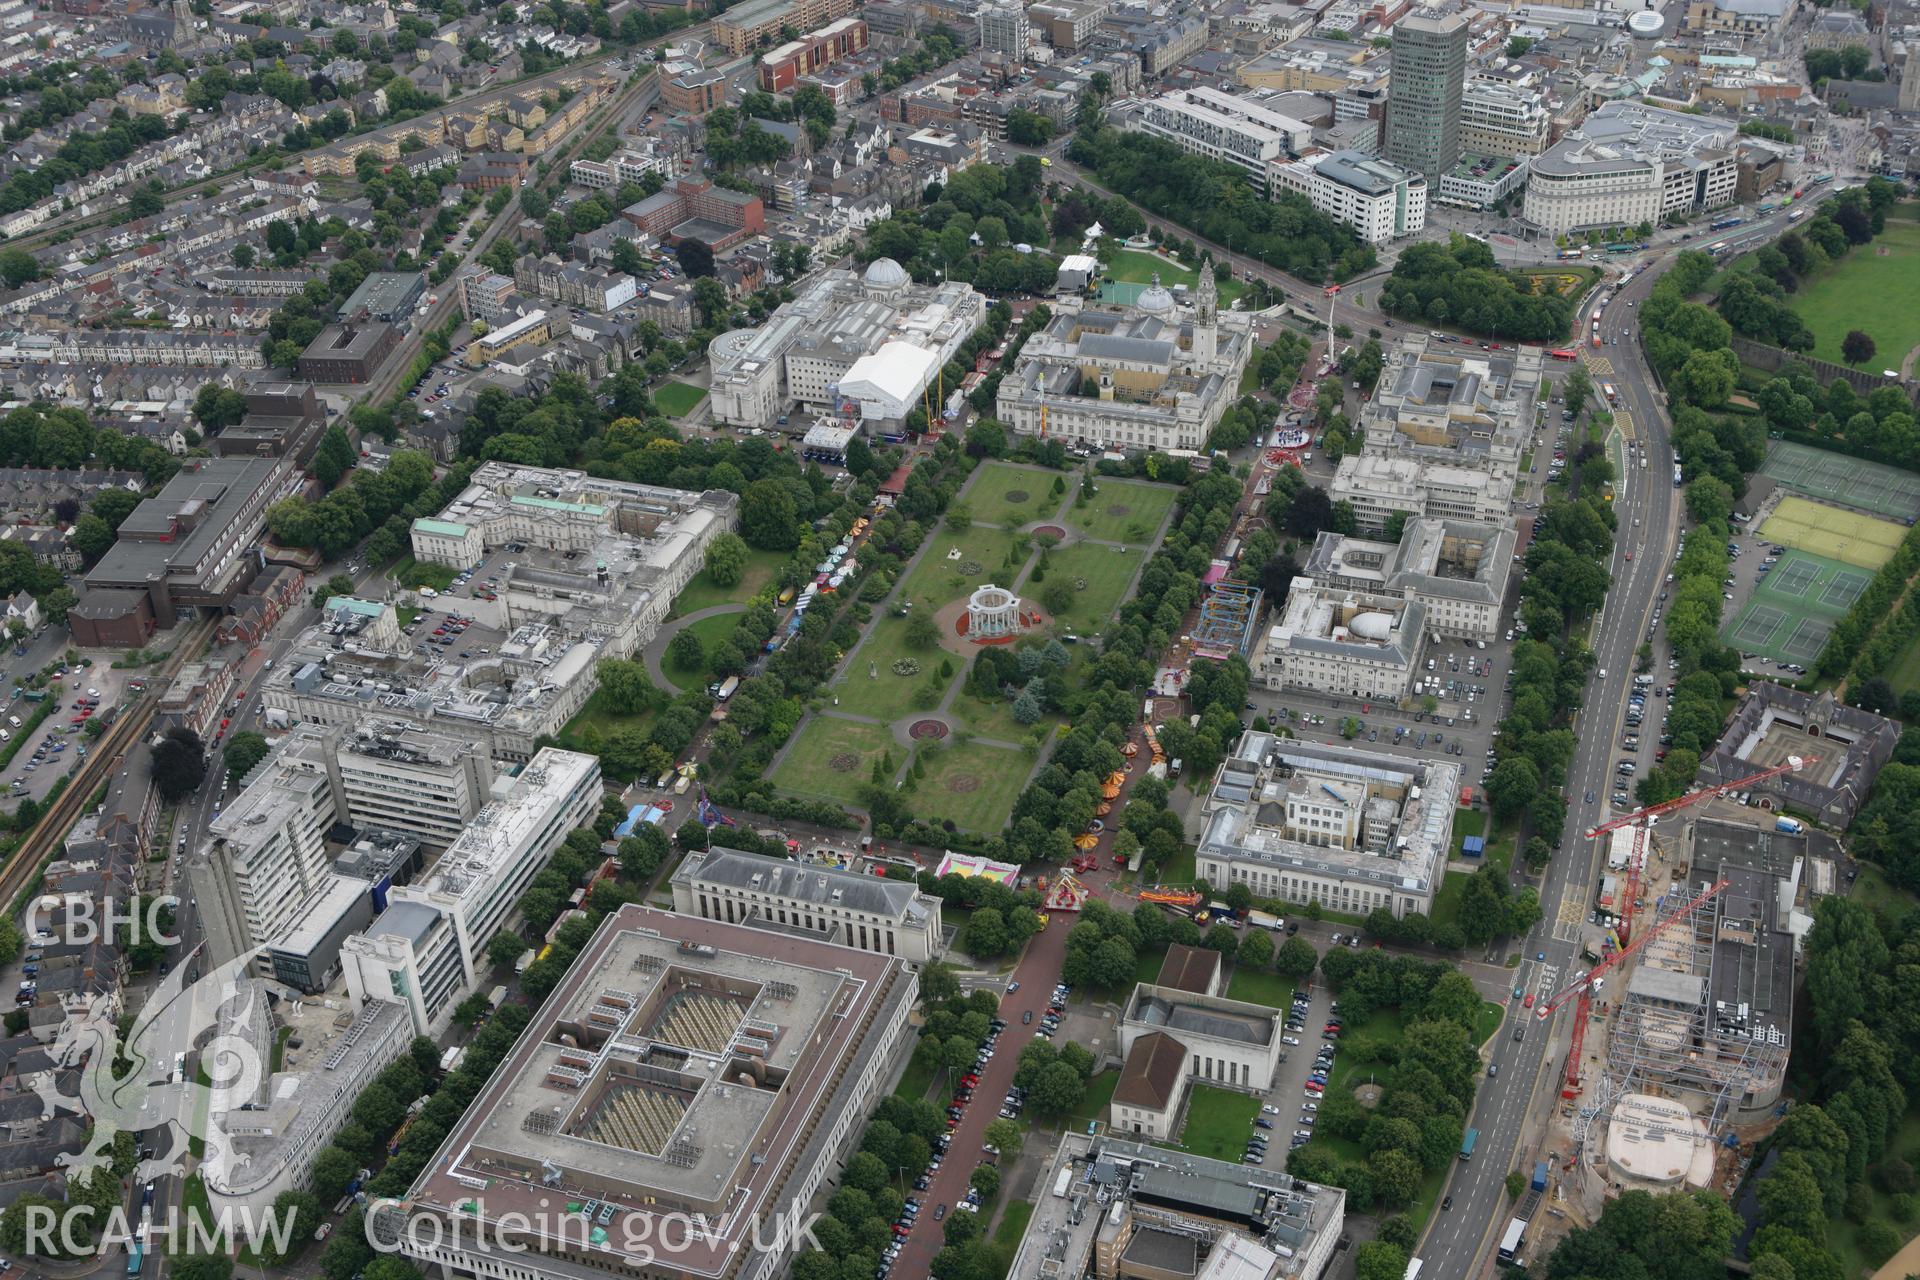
{"points": [[107, 757]]}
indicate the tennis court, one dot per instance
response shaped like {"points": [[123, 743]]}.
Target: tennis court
{"points": [[1835, 534], [1849, 482], [1795, 606]]}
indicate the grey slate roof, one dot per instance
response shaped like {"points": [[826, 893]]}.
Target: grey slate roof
{"points": [[818, 885]]}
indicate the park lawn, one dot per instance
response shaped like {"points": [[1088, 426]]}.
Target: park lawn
{"points": [[1122, 511], [833, 759], [1006, 1236], [1106, 571], [1864, 291], [868, 685], [995, 719], [1094, 1105], [678, 399], [1904, 672], [1180, 867], [711, 632], [409, 572], [1260, 986], [1446, 903], [703, 592], [971, 785], [1872, 887], [1131, 266], [1009, 495], [937, 580], [595, 725], [915, 1081], [1487, 1025], [1218, 1122]]}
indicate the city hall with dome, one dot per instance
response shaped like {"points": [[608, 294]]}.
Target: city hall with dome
{"points": [[1155, 374], [868, 345]]}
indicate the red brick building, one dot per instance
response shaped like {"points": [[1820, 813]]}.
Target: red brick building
{"points": [[695, 209], [780, 70], [694, 93]]}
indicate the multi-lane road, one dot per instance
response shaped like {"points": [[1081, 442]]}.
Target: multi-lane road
{"points": [[1515, 1105]]}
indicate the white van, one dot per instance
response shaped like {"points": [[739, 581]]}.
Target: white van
{"points": [[429, 593]]}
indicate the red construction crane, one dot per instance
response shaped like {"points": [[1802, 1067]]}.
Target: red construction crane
{"points": [[1642, 821], [1583, 986]]}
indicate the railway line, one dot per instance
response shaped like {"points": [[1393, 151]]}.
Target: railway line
{"points": [[106, 759]]}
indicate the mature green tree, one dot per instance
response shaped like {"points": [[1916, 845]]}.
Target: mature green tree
{"points": [[1295, 958], [769, 518], [334, 456], [726, 560], [243, 751], [179, 764], [685, 650], [1857, 347], [1379, 1260]]}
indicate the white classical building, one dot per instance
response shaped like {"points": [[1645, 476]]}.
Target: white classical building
{"points": [[1380, 201], [876, 339], [1156, 375], [1342, 642], [1443, 434], [1232, 1043], [1630, 163], [885, 916], [1457, 569], [991, 612], [1350, 828]]}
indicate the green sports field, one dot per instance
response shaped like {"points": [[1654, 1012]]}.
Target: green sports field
{"points": [[1835, 534], [678, 399], [1849, 482], [1795, 607]]}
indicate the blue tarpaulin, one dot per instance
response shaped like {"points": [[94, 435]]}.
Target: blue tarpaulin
{"points": [[651, 814]]}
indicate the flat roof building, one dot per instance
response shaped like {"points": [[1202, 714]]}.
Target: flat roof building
{"points": [[593, 568], [1351, 829], [1443, 434], [890, 917], [1457, 569], [389, 296], [348, 353], [1222, 126], [1422, 131], [683, 1066], [185, 548], [1143, 1210], [1343, 642], [266, 852], [428, 948], [306, 956], [1630, 163], [1380, 201], [875, 340], [264, 1130]]}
